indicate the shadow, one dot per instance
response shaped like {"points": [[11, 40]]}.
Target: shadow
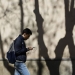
{"points": [[68, 39], [22, 15], [39, 72], [53, 65], [5, 62]]}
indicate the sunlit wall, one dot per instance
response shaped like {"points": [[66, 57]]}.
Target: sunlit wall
{"points": [[16, 15]]}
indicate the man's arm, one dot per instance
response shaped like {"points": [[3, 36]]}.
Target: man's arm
{"points": [[18, 47]]}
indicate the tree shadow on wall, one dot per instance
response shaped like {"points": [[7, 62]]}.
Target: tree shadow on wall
{"points": [[68, 39], [53, 65], [22, 14], [5, 62]]}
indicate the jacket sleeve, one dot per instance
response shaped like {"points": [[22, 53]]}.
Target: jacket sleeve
{"points": [[18, 47]]}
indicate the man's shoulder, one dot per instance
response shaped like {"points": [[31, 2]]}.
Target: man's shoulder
{"points": [[18, 38]]}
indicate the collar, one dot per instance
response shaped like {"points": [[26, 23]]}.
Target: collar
{"points": [[21, 37]]}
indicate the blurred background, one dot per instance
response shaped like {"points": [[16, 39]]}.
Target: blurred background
{"points": [[53, 39]]}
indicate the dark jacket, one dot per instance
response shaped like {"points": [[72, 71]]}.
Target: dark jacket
{"points": [[20, 49]]}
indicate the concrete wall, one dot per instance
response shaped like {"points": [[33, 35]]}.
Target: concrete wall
{"points": [[54, 39]]}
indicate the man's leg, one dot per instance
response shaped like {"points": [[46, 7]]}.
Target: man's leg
{"points": [[24, 70], [16, 72], [21, 68]]}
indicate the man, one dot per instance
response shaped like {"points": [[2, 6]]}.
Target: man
{"points": [[20, 52]]}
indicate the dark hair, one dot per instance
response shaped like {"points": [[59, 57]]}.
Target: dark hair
{"points": [[27, 31]]}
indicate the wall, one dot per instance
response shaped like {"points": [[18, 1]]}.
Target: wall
{"points": [[53, 38]]}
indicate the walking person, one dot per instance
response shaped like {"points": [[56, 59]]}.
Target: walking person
{"points": [[20, 52]]}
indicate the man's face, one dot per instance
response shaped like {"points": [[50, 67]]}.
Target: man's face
{"points": [[26, 36]]}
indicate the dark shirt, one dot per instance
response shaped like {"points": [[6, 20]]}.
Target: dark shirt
{"points": [[20, 49]]}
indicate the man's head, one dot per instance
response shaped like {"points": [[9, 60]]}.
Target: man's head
{"points": [[26, 33]]}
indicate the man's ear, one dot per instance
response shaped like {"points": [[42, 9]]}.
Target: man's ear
{"points": [[24, 34]]}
